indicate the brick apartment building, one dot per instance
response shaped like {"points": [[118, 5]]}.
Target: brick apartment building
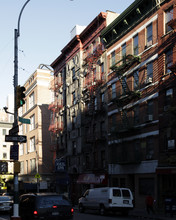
{"points": [[140, 51], [114, 103], [78, 71], [35, 156]]}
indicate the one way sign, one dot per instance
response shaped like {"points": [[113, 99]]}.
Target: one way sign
{"points": [[15, 138]]}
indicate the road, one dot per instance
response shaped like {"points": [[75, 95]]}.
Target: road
{"points": [[86, 216]]}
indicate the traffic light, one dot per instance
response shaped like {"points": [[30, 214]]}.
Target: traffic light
{"points": [[20, 96]]}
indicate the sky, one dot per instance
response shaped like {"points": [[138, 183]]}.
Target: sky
{"points": [[45, 27]]}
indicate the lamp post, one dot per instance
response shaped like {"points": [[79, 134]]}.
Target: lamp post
{"points": [[16, 185]]}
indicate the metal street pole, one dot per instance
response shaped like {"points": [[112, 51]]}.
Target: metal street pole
{"points": [[16, 185]]}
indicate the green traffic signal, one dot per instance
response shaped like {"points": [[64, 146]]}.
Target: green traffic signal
{"points": [[20, 95]]}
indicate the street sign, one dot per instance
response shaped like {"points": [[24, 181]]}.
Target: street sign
{"points": [[24, 120], [14, 130], [15, 138], [14, 152]]}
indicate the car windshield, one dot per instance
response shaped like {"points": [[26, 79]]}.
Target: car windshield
{"points": [[49, 201], [4, 198]]}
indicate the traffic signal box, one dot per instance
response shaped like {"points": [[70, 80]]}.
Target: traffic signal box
{"points": [[20, 95]]}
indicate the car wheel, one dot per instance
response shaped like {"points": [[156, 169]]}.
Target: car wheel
{"points": [[102, 210], [81, 208]]}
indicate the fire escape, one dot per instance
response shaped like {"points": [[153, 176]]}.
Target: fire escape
{"points": [[124, 122], [126, 95], [56, 125], [92, 81]]}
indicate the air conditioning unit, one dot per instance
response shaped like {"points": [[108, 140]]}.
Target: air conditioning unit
{"points": [[148, 80], [171, 144], [148, 117], [149, 43]]}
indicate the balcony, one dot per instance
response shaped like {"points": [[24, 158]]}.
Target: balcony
{"points": [[125, 63], [56, 127], [56, 106]]}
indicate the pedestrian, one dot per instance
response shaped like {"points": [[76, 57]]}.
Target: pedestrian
{"points": [[149, 204]]}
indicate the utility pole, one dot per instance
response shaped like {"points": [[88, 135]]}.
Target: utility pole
{"points": [[16, 185]]}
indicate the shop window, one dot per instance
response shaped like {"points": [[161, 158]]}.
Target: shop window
{"points": [[146, 186]]}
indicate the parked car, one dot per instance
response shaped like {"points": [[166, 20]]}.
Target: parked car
{"points": [[44, 206], [8, 194], [6, 203], [107, 199]]}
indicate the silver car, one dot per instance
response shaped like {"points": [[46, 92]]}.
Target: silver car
{"points": [[5, 203]]}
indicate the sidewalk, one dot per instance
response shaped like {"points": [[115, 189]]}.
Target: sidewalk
{"points": [[144, 215]]}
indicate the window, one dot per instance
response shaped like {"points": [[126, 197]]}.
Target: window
{"points": [[95, 156], [102, 98], [22, 167], [3, 131], [168, 17], [168, 60], [150, 108], [124, 50], [146, 185], [149, 149], [136, 115], [21, 149], [95, 103], [135, 45], [136, 80], [32, 144], [4, 156], [150, 70], [33, 165], [26, 166], [124, 85], [113, 91], [31, 100], [94, 74], [4, 145], [73, 121], [103, 161], [168, 98], [73, 74], [74, 147], [113, 58], [74, 98], [32, 124], [102, 71], [149, 35], [87, 161]]}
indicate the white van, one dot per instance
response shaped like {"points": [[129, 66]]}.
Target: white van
{"points": [[107, 199]]}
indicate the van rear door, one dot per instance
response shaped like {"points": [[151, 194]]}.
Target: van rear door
{"points": [[116, 198], [127, 198]]}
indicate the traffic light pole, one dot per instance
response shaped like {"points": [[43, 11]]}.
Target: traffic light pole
{"points": [[16, 183]]}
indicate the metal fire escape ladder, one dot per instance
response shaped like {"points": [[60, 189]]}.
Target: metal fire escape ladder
{"points": [[127, 95]]}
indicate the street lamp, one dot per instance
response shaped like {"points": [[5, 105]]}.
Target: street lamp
{"points": [[16, 185]]}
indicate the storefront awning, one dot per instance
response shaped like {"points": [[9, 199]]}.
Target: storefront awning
{"points": [[92, 179], [166, 170]]}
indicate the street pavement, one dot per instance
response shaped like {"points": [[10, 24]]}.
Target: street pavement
{"points": [[139, 214]]}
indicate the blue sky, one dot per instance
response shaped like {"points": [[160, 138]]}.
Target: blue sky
{"points": [[44, 30]]}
